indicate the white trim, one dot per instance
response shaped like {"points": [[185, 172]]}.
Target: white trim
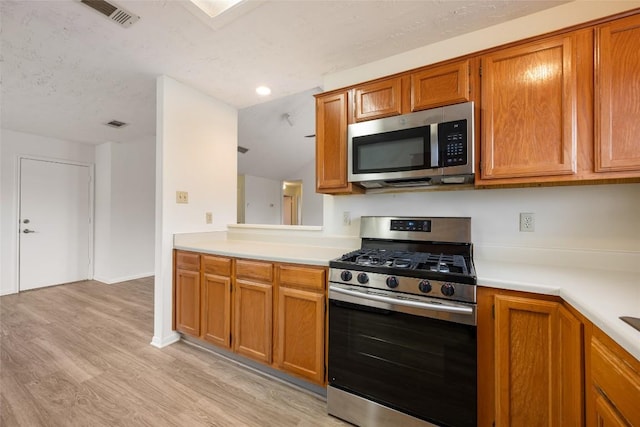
{"points": [[123, 278], [16, 225], [161, 342]]}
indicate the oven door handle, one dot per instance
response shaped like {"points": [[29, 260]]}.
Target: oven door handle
{"points": [[405, 303]]}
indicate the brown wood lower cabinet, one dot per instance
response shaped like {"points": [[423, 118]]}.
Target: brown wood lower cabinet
{"points": [[252, 325], [301, 331], [529, 361], [270, 312], [614, 395]]}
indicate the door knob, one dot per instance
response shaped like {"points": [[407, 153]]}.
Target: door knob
{"points": [[26, 221], [27, 231]]}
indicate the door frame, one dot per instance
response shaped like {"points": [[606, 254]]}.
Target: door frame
{"points": [[18, 206]]}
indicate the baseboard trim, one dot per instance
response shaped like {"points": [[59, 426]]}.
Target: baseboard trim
{"points": [[111, 281], [161, 342]]}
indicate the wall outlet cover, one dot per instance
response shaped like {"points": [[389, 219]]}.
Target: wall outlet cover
{"points": [[527, 221], [182, 197]]}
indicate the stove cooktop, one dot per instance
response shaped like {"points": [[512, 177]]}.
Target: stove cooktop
{"points": [[402, 260]]}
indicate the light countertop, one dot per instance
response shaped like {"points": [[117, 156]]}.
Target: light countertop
{"points": [[602, 295]]}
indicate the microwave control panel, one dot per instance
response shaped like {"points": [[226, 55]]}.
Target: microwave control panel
{"points": [[453, 143]]}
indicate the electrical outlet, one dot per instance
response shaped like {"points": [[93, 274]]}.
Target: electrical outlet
{"points": [[527, 221], [346, 218], [182, 197], [209, 217]]}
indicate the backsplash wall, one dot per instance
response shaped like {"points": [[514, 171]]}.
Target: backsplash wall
{"points": [[586, 217]]}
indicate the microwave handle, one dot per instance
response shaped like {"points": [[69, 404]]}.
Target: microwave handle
{"points": [[435, 161]]}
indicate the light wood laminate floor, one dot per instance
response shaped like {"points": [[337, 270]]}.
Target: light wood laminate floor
{"points": [[79, 355]]}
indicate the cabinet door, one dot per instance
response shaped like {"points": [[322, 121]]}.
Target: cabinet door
{"points": [[617, 95], [606, 415], [252, 320], [377, 100], [617, 375], [440, 85], [537, 363], [216, 309], [331, 144], [529, 95], [188, 302], [301, 333]]}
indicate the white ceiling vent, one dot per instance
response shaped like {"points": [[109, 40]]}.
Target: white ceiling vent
{"points": [[116, 124], [112, 11]]}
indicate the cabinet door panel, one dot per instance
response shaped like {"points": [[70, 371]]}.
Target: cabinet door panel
{"points": [[188, 302], [441, 85], [606, 415], [216, 310], [617, 377], [532, 386], [301, 333], [529, 110], [377, 100], [253, 320], [302, 277], [331, 143], [617, 92], [254, 270]]}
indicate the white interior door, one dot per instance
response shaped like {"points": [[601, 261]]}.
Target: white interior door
{"points": [[54, 223]]}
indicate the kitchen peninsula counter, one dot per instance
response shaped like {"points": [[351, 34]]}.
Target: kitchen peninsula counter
{"points": [[304, 248]]}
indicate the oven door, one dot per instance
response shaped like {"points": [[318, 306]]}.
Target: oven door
{"points": [[403, 354]]}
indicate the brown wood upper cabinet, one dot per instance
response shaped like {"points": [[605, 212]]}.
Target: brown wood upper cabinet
{"points": [[529, 97], [379, 99], [331, 144], [301, 321], [440, 85], [617, 93]]}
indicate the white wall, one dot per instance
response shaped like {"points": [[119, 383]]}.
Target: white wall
{"points": [[196, 151], [594, 217], [262, 200], [12, 145], [125, 210], [311, 201]]}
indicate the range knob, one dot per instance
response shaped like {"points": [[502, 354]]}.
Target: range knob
{"points": [[424, 286], [447, 289], [346, 275], [363, 278], [392, 282]]}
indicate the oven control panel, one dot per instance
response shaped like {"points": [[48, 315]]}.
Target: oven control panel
{"points": [[423, 225]]}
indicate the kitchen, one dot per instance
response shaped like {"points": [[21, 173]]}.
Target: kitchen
{"points": [[561, 222]]}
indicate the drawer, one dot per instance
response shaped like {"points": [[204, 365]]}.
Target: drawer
{"points": [[219, 266], [302, 277], [187, 261], [618, 376], [254, 270]]}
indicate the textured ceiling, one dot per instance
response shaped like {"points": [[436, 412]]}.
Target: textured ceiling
{"points": [[66, 69]]}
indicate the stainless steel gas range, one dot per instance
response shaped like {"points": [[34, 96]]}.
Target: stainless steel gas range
{"points": [[402, 325]]}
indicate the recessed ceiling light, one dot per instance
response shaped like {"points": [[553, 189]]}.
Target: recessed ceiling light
{"points": [[214, 8], [263, 91]]}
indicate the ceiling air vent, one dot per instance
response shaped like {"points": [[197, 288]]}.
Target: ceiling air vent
{"points": [[112, 11], [116, 124]]}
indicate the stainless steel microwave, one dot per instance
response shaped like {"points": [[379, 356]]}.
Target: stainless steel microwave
{"points": [[431, 147]]}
